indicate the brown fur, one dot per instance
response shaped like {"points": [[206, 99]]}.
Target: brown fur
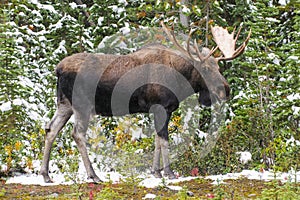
{"points": [[72, 63]]}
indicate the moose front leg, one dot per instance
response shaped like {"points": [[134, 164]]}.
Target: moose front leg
{"points": [[156, 158], [161, 148], [164, 144], [161, 121]]}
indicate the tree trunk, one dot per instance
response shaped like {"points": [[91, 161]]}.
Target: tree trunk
{"points": [[184, 19]]}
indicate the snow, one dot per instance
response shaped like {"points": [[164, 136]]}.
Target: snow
{"points": [[149, 196], [255, 175], [33, 1], [56, 26], [293, 58], [73, 5], [59, 179], [283, 2], [174, 187], [118, 10], [292, 141], [19, 40], [245, 156], [185, 9], [201, 134], [123, 2], [137, 133], [274, 57], [177, 139], [100, 20], [272, 19], [5, 106], [152, 182], [125, 30], [231, 113], [148, 181], [187, 118], [17, 102], [37, 13], [293, 97], [33, 179], [295, 110], [3, 167], [240, 95], [50, 8], [61, 48]]}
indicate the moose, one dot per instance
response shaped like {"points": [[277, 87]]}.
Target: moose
{"points": [[153, 79]]}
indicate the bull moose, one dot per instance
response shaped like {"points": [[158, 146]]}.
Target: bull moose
{"points": [[154, 79]]}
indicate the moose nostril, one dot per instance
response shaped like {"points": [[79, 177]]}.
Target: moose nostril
{"points": [[224, 91], [227, 88]]}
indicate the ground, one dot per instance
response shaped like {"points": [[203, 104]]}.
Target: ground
{"points": [[198, 188]]}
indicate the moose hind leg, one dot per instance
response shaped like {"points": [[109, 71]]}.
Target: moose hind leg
{"points": [[79, 135], [62, 115]]}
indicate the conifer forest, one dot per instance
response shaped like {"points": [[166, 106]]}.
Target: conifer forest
{"points": [[259, 130]]}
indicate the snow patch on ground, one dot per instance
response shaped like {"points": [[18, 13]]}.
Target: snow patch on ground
{"points": [[150, 181], [59, 179], [149, 196], [255, 175], [33, 179]]}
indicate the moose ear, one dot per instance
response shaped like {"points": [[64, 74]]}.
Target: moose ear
{"points": [[226, 42]]}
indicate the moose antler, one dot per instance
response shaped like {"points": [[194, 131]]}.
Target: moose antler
{"points": [[187, 52], [226, 42]]}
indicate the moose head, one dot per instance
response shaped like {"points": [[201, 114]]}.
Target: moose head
{"points": [[216, 87]]}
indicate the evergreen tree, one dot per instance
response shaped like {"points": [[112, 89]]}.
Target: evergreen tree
{"points": [[261, 103], [15, 121]]}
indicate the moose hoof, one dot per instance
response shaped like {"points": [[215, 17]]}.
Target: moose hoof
{"points": [[47, 179], [156, 174], [170, 175], [95, 179]]}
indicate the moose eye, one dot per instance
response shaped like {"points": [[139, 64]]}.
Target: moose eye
{"points": [[214, 63]]}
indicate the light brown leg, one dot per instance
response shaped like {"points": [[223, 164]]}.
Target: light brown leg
{"points": [[161, 121], [156, 160], [79, 135], [62, 115]]}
